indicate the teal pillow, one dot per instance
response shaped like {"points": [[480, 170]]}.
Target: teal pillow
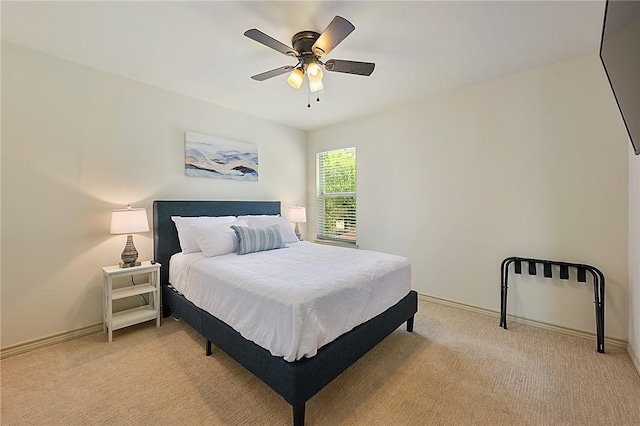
{"points": [[251, 240]]}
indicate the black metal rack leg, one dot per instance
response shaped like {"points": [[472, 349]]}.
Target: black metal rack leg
{"points": [[504, 273]]}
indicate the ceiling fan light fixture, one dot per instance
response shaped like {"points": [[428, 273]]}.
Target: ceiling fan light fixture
{"points": [[314, 72], [308, 48], [316, 86], [295, 78]]}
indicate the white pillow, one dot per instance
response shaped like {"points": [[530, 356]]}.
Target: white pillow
{"points": [[217, 239], [188, 242], [262, 221]]}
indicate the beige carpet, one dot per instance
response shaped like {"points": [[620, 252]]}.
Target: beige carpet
{"points": [[457, 368]]}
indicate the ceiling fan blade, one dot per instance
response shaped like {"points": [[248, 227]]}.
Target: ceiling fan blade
{"points": [[269, 41], [337, 30], [273, 73], [349, 67]]}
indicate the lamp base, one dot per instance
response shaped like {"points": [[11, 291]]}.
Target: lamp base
{"points": [[129, 255], [297, 232]]}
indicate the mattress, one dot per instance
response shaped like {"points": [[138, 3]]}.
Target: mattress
{"points": [[294, 300]]}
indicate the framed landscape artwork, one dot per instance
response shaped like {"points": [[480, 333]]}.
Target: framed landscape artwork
{"points": [[214, 157]]}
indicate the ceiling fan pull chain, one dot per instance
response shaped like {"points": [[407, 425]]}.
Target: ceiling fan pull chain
{"points": [[308, 96]]}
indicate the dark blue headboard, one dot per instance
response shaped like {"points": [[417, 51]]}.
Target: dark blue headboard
{"points": [[165, 236]]}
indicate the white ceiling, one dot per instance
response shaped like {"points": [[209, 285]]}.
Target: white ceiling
{"points": [[198, 48]]}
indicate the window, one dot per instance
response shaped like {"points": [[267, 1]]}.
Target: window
{"points": [[336, 195]]}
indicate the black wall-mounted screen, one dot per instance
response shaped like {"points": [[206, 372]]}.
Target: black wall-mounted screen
{"points": [[620, 56]]}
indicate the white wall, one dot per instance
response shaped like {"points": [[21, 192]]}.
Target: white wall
{"points": [[532, 165], [76, 143], [634, 257], [519, 166]]}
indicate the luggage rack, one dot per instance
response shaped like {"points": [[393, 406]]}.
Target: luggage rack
{"points": [[582, 269]]}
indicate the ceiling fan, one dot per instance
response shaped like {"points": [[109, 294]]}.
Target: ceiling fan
{"points": [[308, 48]]}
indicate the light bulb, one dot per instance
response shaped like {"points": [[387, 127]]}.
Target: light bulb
{"points": [[295, 78], [314, 71]]}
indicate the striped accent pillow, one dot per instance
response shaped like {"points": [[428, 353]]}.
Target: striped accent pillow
{"points": [[258, 239]]}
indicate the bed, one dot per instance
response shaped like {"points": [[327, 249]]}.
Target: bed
{"points": [[296, 381]]}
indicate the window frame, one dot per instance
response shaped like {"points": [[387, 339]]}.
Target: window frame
{"points": [[321, 197]]}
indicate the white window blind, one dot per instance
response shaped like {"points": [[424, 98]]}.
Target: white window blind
{"points": [[336, 195]]}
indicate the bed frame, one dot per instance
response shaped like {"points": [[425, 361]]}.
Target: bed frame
{"points": [[295, 381]]}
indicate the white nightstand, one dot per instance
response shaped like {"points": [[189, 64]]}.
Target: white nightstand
{"points": [[150, 311]]}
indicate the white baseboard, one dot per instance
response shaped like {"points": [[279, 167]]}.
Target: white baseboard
{"points": [[634, 357], [31, 345], [622, 344], [97, 328]]}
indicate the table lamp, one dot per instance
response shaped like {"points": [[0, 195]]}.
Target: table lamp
{"points": [[297, 215], [129, 221]]}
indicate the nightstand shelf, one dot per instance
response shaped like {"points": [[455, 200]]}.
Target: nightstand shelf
{"points": [[133, 316], [134, 290], [125, 318]]}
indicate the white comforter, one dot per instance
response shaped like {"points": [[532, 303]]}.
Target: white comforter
{"points": [[294, 300]]}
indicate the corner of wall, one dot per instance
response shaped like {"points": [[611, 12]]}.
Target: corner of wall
{"points": [[634, 259]]}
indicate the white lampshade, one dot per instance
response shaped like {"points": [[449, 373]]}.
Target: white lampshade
{"points": [[314, 72], [297, 214], [129, 221], [295, 78], [316, 86]]}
